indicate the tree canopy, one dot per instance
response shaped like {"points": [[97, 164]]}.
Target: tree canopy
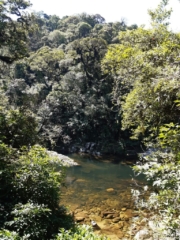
{"points": [[15, 23]]}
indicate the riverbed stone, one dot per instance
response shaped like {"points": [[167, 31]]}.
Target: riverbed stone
{"points": [[123, 209], [79, 180], [116, 214], [79, 219], [86, 212], [120, 234], [121, 224], [73, 207], [116, 226], [126, 215], [103, 225], [110, 190], [117, 219], [109, 216], [80, 216], [95, 218], [113, 203], [70, 180], [107, 213], [78, 210]]}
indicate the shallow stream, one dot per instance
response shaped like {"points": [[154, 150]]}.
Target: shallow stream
{"points": [[100, 190]]}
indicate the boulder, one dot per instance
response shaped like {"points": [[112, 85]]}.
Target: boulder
{"points": [[64, 160]]}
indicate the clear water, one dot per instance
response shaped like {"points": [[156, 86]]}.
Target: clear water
{"points": [[89, 184]]}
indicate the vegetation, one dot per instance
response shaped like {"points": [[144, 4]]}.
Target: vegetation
{"points": [[53, 93], [77, 80], [30, 179], [63, 84], [146, 64], [80, 232], [13, 41]]}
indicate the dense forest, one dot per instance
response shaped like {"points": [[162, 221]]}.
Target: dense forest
{"points": [[80, 84], [62, 83]]}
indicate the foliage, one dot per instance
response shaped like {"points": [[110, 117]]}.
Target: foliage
{"points": [[29, 180], [17, 127], [14, 33], [30, 192], [160, 15], [162, 168], [31, 220], [68, 93], [84, 29], [147, 63], [146, 89], [80, 232], [38, 178], [56, 95], [57, 38], [8, 235], [62, 83]]}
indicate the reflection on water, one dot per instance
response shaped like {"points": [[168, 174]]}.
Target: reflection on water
{"points": [[97, 187], [94, 177]]}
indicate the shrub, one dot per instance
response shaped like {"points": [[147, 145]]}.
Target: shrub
{"points": [[79, 232]]}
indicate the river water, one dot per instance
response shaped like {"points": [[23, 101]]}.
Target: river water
{"points": [[97, 187]]}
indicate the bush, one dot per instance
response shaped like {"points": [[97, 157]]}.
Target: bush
{"points": [[79, 232], [162, 169], [7, 235], [30, 193], [31, 220]]}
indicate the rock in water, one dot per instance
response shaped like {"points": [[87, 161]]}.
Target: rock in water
{"points": [[110, 189], [66, 161]]}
